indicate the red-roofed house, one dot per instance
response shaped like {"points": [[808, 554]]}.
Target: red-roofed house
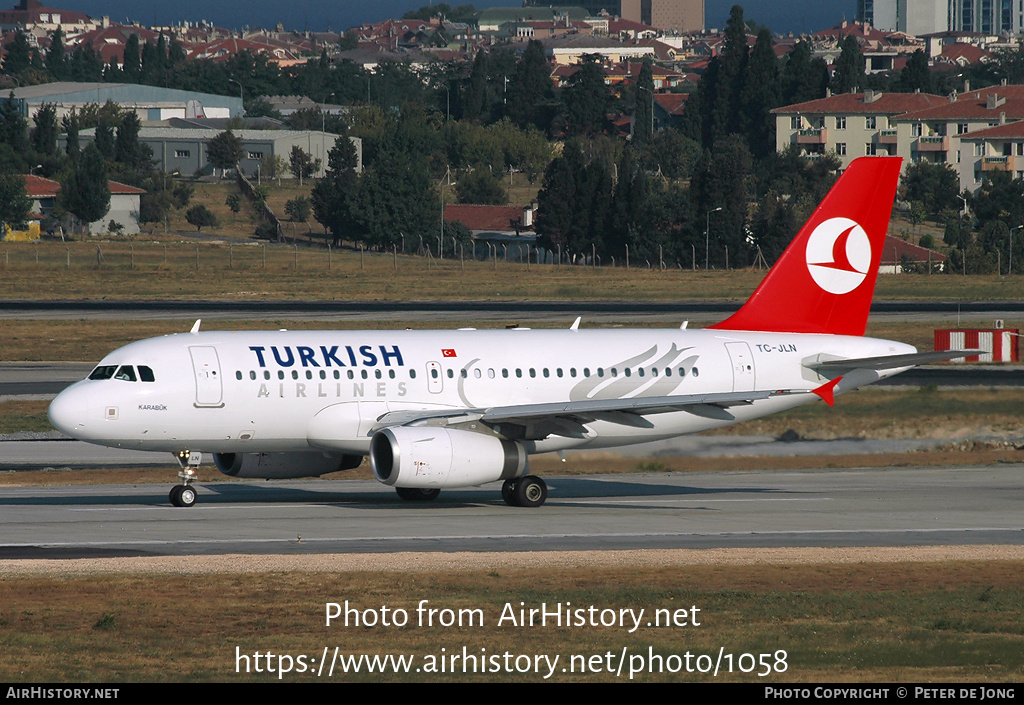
{"points": [[222, 49], [33, 14], [124, 206], [896, 253], [109, 42], [669, 108], [508, 228]]}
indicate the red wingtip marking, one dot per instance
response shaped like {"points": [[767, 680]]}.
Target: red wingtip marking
{"points": [[827, 391]]}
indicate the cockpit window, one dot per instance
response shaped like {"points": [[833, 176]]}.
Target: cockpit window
{"points": [[146, 374], [103, 372], [126, 373]]}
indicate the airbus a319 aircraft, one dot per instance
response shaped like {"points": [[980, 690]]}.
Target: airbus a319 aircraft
{"points": [[441, 409]]}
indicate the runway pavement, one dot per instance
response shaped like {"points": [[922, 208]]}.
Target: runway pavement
{"points": [[861, 507]]}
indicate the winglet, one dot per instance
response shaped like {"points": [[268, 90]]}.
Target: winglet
{"points": [[576, 324], [195, 327], [827, 391]]}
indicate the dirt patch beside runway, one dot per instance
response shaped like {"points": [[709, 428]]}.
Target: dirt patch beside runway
{"points": [[468, 561]]}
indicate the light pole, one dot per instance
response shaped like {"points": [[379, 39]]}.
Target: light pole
{"points": [[231, 80], [1010, 264], [447, 181], [707, 227], [641, 88]]}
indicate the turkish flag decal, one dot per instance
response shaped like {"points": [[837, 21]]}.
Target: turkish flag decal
{"points": [[448, 352]]}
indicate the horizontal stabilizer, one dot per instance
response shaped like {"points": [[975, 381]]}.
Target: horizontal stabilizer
{"points": [[890, 362]]}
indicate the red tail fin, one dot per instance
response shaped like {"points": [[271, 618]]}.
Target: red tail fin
{"points": [[824, 281]]}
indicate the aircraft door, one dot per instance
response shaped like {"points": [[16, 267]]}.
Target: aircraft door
{"points": [[742, 366], [206, 364], [435, 380]]}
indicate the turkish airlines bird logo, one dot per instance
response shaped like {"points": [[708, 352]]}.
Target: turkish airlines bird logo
{"points": [[838, 255]]}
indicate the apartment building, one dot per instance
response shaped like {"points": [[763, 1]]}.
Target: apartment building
{"points": [[971, 131], [850, 125], [940, 134], [999, 148]]}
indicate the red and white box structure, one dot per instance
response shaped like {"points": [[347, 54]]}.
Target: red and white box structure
{"points": [[999, 344]]}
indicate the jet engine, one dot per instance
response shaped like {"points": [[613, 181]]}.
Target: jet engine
{"points": [[281, 466], [436, 457]]}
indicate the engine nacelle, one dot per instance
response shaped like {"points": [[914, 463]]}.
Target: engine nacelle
{"points": [[282, 466], [437, 457]]}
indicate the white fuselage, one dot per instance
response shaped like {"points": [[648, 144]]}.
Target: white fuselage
{"points": [[278, 391]]}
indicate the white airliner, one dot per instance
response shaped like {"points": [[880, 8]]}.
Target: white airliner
{"points": [[438, 409]]}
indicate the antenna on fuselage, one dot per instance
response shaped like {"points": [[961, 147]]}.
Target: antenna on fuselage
{"points": [[195, 328]]}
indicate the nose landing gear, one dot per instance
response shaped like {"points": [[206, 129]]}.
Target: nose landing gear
{"points": [[184, 495]]}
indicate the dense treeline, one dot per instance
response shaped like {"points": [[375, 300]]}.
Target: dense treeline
{"points": [[710, 192]]}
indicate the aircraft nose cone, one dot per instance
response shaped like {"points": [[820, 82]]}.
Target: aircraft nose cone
{"points": [[68, 412]]}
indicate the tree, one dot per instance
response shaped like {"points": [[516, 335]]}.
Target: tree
{"points": [[803, 79], [13, 126], [273, 166], [200, 216], [85, 193], [298, 209], [132, 65], [44, 136], [56, 56], [576, 200], [849, 70], [935, 186], [71, 124], [224, 150], [587, 98], [760, 94], [85, 65], [301, 164], [128, 150], [481, 187], [15, 205], [915, 75], [333, 197], [475, 104], [105, 139], [531, 93], [643, 112], [182, 194], [18, 56], [396, 195], [234, 204], [721, 182]]}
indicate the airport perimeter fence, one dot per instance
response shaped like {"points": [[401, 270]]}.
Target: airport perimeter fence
{"points": [[220, 255], [196, 257]]}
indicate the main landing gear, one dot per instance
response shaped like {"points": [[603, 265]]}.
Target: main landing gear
{"points": [[526, 491], [417, 494], [184, 495]]}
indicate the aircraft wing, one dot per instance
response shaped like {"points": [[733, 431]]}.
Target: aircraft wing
{"points": [[536, 421], [889, 362]]}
